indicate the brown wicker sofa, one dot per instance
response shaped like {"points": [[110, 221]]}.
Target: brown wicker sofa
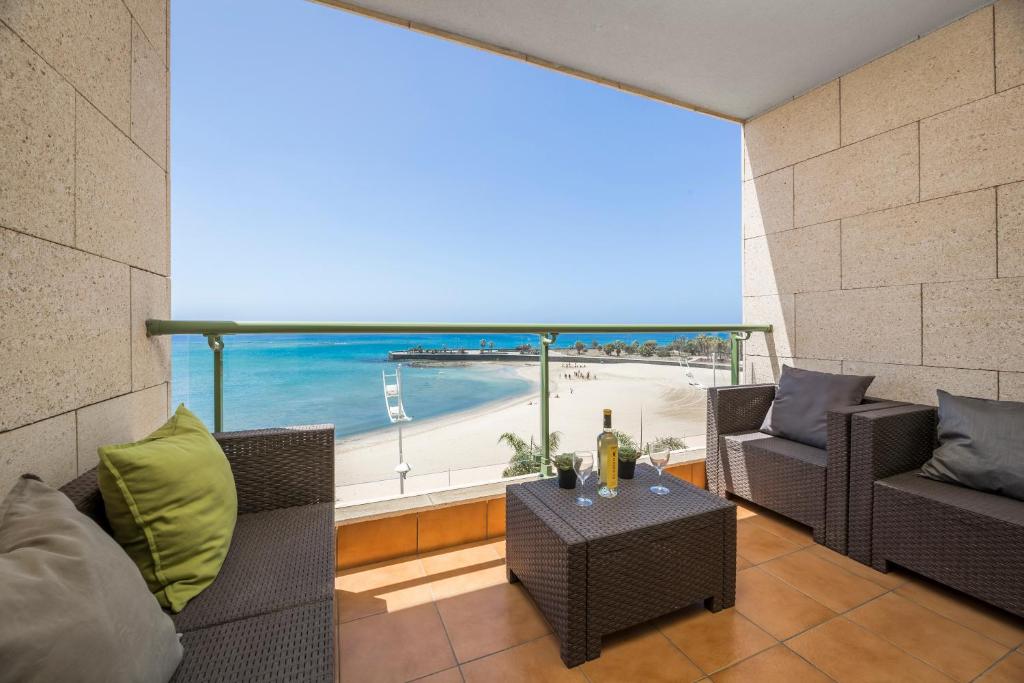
{"points": [[966, 539], [807, 484], [269, 614]]}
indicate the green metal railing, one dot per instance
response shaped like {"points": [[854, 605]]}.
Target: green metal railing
{"points": [[215, 331]]}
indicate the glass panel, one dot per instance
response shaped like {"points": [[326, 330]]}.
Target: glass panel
{"points": [[472, 402], [655, 385], [460, 391], [192, 375]]}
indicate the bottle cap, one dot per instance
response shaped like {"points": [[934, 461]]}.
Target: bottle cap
{"points": [[607, 411]]}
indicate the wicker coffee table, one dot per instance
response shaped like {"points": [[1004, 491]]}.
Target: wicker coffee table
{"points": [[625, 560]]}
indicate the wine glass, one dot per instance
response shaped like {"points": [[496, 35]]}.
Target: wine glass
{"points": [[583, 463], [659, 458]]}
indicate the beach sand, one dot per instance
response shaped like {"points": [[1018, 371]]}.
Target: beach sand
{"points": [[462, 448]]}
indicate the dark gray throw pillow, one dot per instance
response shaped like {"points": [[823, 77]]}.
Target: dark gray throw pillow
{"points": [[803, 399], [73, 606], [981, 445]]}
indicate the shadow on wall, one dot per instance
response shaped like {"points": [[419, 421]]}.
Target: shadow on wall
{"points": [[764, 209]]}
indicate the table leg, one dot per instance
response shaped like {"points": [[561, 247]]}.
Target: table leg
{"points": [[511, 575]]}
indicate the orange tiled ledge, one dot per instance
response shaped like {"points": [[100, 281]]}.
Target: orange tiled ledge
{"points": [[375, 540]]}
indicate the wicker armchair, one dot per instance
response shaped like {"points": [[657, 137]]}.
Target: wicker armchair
{"points": [[966, 539], [807, 484], [269, 614]]}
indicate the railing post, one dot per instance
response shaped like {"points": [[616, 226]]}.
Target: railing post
{"points": [[545, 396], [216, 343], [736, 340]]}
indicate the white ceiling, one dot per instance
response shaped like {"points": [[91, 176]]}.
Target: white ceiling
{"points": [[734, 57]]}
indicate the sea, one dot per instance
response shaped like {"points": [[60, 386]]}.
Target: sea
{"points": [[278, 380]]}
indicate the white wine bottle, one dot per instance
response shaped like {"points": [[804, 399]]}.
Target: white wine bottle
{"points": [[608, 458]]}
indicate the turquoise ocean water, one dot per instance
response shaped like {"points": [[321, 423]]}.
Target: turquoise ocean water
{"points": [[279, 380]]}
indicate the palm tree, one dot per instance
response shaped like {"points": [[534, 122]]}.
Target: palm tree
{"points": [[594, 344], [483, 345], [579, 346], [619, 346], [526, 457]]}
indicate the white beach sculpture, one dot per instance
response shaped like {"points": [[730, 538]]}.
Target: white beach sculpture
{"points": [[397, 415]]}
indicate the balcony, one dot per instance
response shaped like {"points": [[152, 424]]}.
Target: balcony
{"points": [[879, 223]]}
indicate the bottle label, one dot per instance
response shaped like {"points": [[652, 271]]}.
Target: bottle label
{"points": [[613, 467]]}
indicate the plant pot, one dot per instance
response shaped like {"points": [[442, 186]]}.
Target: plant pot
{"points": [[566, 479], [627, 468]]}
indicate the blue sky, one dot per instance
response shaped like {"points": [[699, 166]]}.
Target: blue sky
{"points": [[326, 166]]}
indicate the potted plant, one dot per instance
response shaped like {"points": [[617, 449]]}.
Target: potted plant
{"points": [[628, 453], [566, 473]]}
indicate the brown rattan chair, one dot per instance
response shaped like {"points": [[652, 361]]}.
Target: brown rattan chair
{"points": [[269, 614], [970, 540], [807, 484]]}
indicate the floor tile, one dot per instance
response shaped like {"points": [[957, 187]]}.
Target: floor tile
{"points": [[531, 662], [452, 675], [998, 625], [469, 582], [775, 606], [384, 587], [499, 546], [959, 652], [367, 656], [463, 570], [786, 528], [743, 563], [824, 581], [744, 510], [777, 665], [851, 654], [640, 654], [472, 556], [713, 641], [485, 621], [893, 579], [1009, 670], [757, 544]]}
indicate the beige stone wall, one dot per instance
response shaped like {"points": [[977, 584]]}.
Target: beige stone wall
{"points": [[84, 230], [883, 218]]}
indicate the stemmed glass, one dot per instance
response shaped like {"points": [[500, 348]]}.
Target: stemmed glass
{"points": [[659, 458], [583, 463]]}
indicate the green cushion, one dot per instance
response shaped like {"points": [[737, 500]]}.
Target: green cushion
{"points": [[171, 502]]}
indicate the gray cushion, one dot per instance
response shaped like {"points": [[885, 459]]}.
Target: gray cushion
{"points": [[73, 606], [278, 559], [803, 399], [981, 445], [787, 448]]}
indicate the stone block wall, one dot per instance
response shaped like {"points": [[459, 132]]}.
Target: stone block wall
{"points": [[883, 218], [84, 230]]}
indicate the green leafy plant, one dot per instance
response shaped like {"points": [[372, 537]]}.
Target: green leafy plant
{"points": [[526, 456], [562, 461], [629, 451]]}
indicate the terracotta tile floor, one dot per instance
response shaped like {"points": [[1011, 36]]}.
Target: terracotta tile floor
{"points": [[803, 613]]}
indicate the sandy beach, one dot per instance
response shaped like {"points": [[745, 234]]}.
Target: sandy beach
{"points": [[463, 448]]}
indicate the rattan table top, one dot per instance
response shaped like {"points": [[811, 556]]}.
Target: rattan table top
{"points": [[635, 508]]}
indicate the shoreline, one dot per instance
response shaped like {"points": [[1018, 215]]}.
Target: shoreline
{"points": [[428, 424]]}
